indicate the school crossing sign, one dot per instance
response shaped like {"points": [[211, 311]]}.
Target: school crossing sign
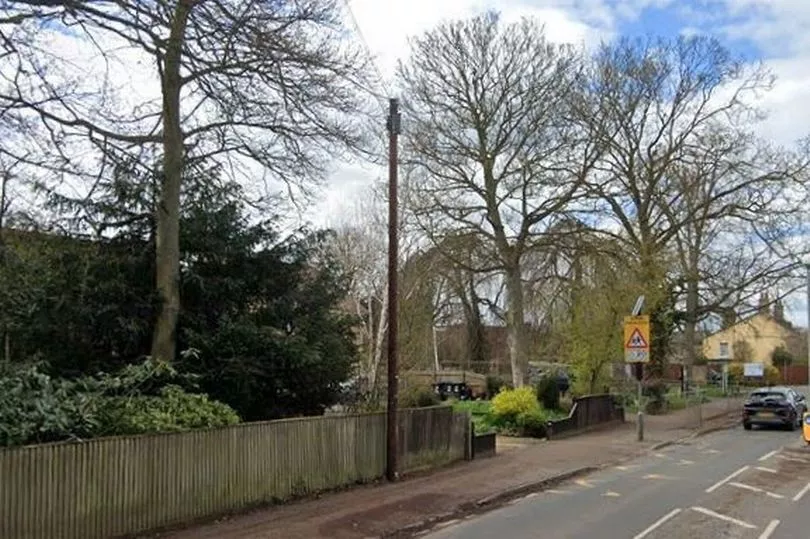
{"points": [[637, 339]]}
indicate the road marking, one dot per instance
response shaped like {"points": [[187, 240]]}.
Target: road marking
{"points": [[685, 462], [583, 483], [764, 469], [756, 489], [769, 530], [801, 493], [709, 512], [661, 456], [555, 491], [656, 476], [712, 451], [766, 456], [726, 480], [611, 494], [657, 524], [793, 459], [626, 467]]}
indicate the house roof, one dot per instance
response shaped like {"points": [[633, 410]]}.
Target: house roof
{"points": [[784, 324]]}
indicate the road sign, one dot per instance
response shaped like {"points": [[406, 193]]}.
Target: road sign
{"points": [[637, 339]]}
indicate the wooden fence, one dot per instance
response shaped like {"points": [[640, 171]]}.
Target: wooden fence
{"points": [[587, 412], [119, 486]]}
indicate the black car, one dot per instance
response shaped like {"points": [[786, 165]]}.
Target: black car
{"points": [[774, 406]]}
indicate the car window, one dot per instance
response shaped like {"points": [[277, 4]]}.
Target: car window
{"points": [[768, 395]]}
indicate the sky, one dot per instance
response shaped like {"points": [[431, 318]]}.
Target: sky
{"points": [[769, 31]]}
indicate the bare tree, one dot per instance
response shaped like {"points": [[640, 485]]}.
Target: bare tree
{"points": [[646, 103], [360, 244], [259, 87], [493, 155], [730, 185]]}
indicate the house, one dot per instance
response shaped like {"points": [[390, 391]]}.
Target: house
{"points": [[754, 339]]}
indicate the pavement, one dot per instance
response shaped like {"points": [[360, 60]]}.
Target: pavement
{"points": [[730, 483], [418, 503]]}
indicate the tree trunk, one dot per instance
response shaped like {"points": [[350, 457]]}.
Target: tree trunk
{"points": [[692, 306], [379, 342], [167, 248], [516, 327], [690, 325]]}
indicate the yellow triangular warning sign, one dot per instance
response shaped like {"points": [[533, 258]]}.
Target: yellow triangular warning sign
{"points": [[636, 340]]}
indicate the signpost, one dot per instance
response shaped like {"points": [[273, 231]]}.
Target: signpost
{"points": [[637, 352]]}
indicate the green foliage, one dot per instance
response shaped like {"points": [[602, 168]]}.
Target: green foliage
{"points": [[548, 393], [532, 424], [474, 407], [36, 407], [736, 373], [480, 412], [781, 357], [260, 309], [600, 297], [172, 410], [418, 397], [656, 393]]}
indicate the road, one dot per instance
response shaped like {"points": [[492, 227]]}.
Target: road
{"points": [[731, 484]]}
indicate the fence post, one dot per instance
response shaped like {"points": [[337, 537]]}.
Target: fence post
{"points": [[469, 434]]}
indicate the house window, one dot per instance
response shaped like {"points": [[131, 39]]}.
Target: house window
{"points": [[725, 353]]}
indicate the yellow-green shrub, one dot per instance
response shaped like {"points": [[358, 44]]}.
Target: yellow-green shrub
{"points": [[511, 403]]}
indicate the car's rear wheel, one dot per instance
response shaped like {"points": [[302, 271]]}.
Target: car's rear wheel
{"points": [[793, 424], [747, 425]]}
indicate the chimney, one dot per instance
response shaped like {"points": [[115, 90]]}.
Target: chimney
{"points": [[779, 311], [764, 303], [729, 317]]}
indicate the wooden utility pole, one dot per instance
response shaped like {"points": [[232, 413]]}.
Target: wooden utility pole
{"points": [[393, 259]]}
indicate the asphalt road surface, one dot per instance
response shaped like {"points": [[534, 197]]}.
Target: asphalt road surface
{"points": [[730, 484]]}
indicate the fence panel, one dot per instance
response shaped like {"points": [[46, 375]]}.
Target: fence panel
{"points": [[118, 486], [588, 411]]}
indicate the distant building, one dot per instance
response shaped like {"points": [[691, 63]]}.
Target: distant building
{"points": [[754, 339]]}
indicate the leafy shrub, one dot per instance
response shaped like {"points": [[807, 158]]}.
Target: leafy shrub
{"points": [[418, 397], [548, 392], [37, 408], [532, 424], [781, 357], [736, 372], [495, 384], [511, 403], [173, 410], [656, 393]]}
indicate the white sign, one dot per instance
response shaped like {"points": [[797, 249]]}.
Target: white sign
{"points": [[637, 356], [754, 370]]}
